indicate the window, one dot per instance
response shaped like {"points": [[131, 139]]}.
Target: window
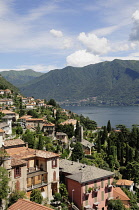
{"points": [[17, 172], [54, 163]]}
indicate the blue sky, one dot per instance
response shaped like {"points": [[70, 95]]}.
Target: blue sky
{"points": [[49, 34]]}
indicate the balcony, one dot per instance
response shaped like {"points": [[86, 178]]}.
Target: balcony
{"points": [[96, 189], [36, 179]]}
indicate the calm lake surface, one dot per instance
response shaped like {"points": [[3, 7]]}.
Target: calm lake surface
{"points": [[117, 115]]}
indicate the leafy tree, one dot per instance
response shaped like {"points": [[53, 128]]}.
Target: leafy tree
{"points": [[133, 198], [77, 130], [29, 137], [115, 205], [104, 135], [36, 196], [77, 153], [14, 196], [109, 126], [3, 184], [132, 169], [40, 143], [63, 191], [68, 129], [52, 102], [19, 130]]}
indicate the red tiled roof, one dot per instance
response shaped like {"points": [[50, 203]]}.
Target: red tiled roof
{"points": [[7, 112], [24, 152], [23, 204], [119, 194], [35, 119], [17, 162], [13, 142], [49, 124], [124, 182], [1, 131]]}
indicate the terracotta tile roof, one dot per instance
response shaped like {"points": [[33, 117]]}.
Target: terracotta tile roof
{"points": [[49, 124], [119, 194], [69, 121], [7, 112], [25, 117], [24, 152], [123, 182], [35, 119], [17, 162], [23, 204], [1, 130], [13, 142]]}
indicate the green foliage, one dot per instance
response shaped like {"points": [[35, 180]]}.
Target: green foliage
{"points": [[40, 143], [36, 196], [4, 84], [116, 205], [77, 153], [3, 183], [29, 137], [19, 78], [114, 82], [133, 198], [132, 169], [68, 129], [33, 113], [19, 130], [52, 102], [14, 196], [87, 123], [109, 126], [63, 191]]}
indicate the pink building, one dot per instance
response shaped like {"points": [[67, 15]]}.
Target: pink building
{"points": [[88, 187]]}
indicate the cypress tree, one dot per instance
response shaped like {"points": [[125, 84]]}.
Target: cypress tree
{"points": [[109, 126]]}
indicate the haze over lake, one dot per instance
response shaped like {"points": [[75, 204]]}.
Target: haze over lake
{"points": [[127, 116]]}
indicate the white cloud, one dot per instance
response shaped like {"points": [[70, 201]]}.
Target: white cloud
{"points": [[135, 15], [82, 58], [105, 31], [94, 44], [37, 67], [134, 36], [56, 33]]}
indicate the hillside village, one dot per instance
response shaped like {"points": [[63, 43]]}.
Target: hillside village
{"points": [[57, 153]]}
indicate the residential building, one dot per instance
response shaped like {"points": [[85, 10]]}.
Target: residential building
{"points": [[35, 122], [120, 195], [31, 169], [49, 128], [88, 187], [63, 137]]}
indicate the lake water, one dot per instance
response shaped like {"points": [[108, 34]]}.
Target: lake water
{"points": [[117, 115]]}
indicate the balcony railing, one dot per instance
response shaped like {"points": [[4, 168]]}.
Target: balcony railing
{"points": [[35, 186]]}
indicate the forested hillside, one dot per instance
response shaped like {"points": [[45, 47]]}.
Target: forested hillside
{"points": [[18, 78], [110, 82], [4, 84]]}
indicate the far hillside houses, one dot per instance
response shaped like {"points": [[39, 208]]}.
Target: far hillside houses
{"points": [[8, 102], [70, 121], [49, 128], [6, 92], [35, 122]]}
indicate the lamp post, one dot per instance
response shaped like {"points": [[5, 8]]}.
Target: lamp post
{"points": [[72, 195]]}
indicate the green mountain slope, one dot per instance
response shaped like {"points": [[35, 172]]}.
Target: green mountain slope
{"points": [[117, 80], [4, 84], [18, 78]]}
